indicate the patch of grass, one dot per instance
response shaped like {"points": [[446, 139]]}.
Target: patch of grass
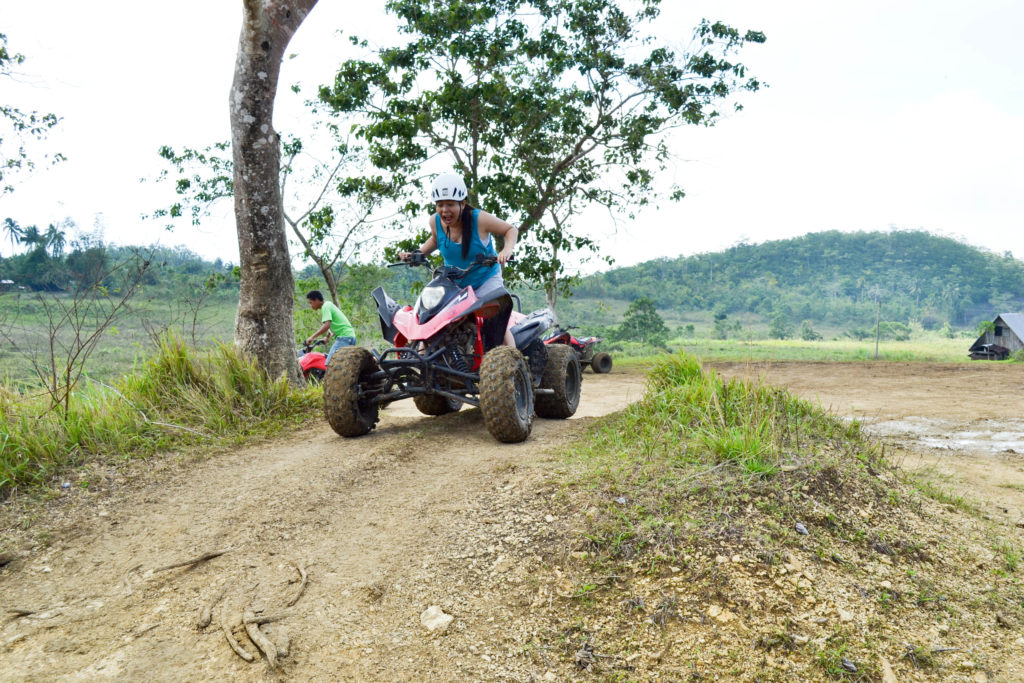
{"points": [[176, 398], [1011, 554], [928, 594], [832, 658], [920, 656], [699, 455], [945, 495]]}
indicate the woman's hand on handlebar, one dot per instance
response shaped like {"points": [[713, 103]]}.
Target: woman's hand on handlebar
{"points": [[504, 255], [412, 257]]}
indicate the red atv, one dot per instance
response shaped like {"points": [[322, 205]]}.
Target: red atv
{"points": [[599, 362], [447, 350], [313, 363]]}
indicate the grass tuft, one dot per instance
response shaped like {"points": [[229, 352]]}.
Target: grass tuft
{"points": [[178, 397]]}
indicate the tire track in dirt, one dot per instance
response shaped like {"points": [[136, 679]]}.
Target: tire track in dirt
{"points": [[361, 516]]}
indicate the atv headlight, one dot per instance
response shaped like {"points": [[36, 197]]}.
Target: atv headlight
{"points": [[431, 297]]}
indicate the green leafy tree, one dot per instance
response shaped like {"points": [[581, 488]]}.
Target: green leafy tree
{"points": [[780, 327], [13, 230], [546, 106], [332, 207], [896, 331], [19, 128], [808, 333], [721, 327], [642, 323], [40, 265]]}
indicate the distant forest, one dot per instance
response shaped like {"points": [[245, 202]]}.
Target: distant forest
{"points": [[833, 277]]}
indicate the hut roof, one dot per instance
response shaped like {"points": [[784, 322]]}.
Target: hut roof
{"points": [[1015, 321]]}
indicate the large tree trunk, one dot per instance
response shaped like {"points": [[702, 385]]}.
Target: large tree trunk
{"points": [[264, 327]]}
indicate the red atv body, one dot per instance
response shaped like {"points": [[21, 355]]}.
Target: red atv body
{"points": [[446, 351], [313, 363], [598, 361]]}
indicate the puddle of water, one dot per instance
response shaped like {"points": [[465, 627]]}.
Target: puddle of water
{"points": [[984, 436], [957, 443]]}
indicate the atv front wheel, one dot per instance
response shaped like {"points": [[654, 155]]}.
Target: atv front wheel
{"points": [[506, 394], [562, 374], [602, 363], [433, 404], [346, 399]]}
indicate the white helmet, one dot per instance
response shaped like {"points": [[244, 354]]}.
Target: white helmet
{"points": [[448, 186]]}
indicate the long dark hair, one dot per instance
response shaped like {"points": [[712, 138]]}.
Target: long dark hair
{"points": [[466, 218]]}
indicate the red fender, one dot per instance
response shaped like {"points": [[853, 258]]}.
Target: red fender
{"points": [[314, 360]]}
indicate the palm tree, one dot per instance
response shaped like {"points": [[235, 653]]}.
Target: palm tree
{"points": [[55, 240], [14, 231], [31, 236]]}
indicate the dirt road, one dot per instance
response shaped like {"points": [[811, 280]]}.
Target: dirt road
{"points": [[422, 512], [383, 526]]}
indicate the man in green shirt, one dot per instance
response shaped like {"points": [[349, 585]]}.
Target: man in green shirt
{"points": [[334, 320]]}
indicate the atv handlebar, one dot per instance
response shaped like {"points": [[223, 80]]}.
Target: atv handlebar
{"points": [[418, 258], [306, 348]]}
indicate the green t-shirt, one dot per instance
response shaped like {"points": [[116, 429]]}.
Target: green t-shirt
{"points": [[340, 326]]}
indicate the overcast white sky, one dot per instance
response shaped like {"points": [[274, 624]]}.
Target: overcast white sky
{"points": [[878, 114]]}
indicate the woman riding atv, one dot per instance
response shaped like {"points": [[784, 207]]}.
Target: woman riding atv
{"points": [[462, 233]]}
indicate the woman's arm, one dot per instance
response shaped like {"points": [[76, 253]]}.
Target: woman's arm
{"points": [[488, 224], [427, 247]]}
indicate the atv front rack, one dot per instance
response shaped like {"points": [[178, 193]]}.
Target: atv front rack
{"points": [[406, 372]]}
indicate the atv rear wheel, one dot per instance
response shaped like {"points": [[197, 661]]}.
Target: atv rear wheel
{"points": [[562, 374], [601, 363], [506, 394], [315, 376], [348, 412], [433, 404]]}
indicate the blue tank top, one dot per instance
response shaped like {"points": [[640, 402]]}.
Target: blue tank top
{"points": [[452, 252]]}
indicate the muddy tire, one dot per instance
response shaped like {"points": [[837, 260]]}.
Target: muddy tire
{"points": [[601, 363], [347, 412], [506, 394], [562, 374], [436, 405]]}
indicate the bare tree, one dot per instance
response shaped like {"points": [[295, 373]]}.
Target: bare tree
{"points": [[264, 327], [74, 325]]}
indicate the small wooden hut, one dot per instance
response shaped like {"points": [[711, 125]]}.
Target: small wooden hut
{"points": [[1005, 338]]}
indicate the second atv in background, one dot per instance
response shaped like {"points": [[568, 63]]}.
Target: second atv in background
{"points": [[599, 361]]}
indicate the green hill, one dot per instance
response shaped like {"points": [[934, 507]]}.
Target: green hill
{"points": [[834, 278]]}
